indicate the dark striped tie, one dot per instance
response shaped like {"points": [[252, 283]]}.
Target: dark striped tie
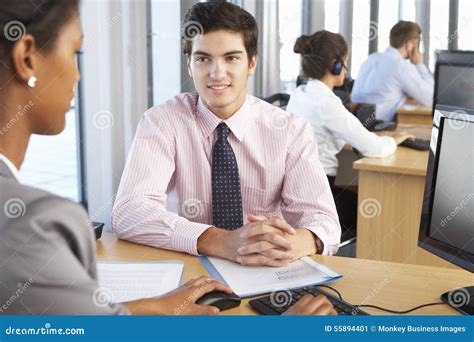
{"points": [[226, 199]]}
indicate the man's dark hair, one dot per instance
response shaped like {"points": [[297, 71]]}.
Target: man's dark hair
{"points": [[43, 19], [319, 51], [402, 32], [205, 17]]}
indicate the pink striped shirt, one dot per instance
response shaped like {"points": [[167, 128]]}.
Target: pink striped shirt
{"points": [[165, 195]]}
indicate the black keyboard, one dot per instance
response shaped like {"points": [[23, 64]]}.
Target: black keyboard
{"points": [[417, 144], [279, 302]]}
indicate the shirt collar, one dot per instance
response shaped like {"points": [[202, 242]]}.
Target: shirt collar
{"points": [[391, 50], [317, 85], [237, 122], [11, 167]]}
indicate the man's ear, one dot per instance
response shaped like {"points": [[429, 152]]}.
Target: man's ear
{"points": [[253, 65], [24, 57]]}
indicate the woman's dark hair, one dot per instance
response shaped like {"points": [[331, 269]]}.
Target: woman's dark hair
{"points": [[319, 51], [205, 17], [43, 19]]}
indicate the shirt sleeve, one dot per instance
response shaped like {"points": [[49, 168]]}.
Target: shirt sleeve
{"points": [[307, 197], [344, 125], [416, 81], [140, 214], [49, 263]]}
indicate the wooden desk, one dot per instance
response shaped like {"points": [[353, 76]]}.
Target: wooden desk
{"points": [[389, 207], [347, 176], [418, 115], [391, 285]]}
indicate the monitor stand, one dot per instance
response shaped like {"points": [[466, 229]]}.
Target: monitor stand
{"points": [[460, 299]]}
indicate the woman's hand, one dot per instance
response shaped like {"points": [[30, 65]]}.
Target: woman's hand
{"points": [[181, 301]]}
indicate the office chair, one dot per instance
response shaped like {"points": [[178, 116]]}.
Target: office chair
{"points": [[344, 92], [301, 80], [280, 98]]}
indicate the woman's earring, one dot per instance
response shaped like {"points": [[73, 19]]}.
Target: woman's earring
{"points": [[32, 81]]}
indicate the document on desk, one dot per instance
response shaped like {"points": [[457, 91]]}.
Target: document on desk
{"points": [[408, 106], [248, 281], [125, 281]]}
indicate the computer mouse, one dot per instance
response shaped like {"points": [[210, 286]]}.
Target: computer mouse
{"points": [[221, 300]]}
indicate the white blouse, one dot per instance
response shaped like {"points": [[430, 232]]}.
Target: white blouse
{"points": [[334, 126], [10, 165]]}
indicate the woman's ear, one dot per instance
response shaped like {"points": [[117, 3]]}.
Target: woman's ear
{"points": [[24, 57]]}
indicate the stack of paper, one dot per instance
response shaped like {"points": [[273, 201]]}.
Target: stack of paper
{"points": [[131, 281], [248, 281]]}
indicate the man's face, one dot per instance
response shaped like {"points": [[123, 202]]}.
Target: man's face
{"points": [[220, 67]]}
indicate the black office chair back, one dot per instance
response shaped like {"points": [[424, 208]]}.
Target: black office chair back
{"points": [[279, 99]]}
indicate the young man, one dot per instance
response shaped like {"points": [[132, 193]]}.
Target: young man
{"points": [[387, 79], [245, 175]]}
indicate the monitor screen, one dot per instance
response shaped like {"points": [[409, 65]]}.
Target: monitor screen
{"points": [[455, 85], [447, 219], [452, 216]]}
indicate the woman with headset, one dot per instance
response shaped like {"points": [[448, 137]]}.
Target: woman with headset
{"points": [[48, 248], [324, 59]]}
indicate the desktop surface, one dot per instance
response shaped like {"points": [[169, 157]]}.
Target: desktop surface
{"points": [[415, 115], [387, 284], [405, 160]]}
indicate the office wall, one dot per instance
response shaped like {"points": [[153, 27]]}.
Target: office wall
{"points": [[114, 76]]}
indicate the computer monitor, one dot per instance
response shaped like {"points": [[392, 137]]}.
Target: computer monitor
{"points": [[447, 218], [454, 79]]}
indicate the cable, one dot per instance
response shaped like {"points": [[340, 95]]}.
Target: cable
{"points": [[332, 288], [381, 308], [395, 311]]}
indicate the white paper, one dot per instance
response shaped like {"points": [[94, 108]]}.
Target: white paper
{"points": [[131, 281], [246, 281]]}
